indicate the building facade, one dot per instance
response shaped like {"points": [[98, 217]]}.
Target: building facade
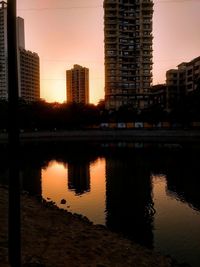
{"points": [[173, 94], [29, 77], [3, 51], [182, 81], [128, 52], [78, 85], [158, 96], [28, 62]]}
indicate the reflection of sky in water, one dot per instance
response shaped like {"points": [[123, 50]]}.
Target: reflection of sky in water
{"points": [[176, 226], [90, 204]]}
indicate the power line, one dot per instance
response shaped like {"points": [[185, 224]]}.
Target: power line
{"points": [[175, 1], [70, 61], [58, 8], [101, 61], [98, 6], [55, 79]]}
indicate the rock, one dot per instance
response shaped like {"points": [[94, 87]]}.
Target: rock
{"points": [[63, 201]]}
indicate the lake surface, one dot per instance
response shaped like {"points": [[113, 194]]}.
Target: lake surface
{"points": [[149, 193]]}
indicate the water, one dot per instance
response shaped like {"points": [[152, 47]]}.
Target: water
{"points": [[82, 186], [149, 193]]}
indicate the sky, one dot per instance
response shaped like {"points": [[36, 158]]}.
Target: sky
{"points": [[66, 32]]}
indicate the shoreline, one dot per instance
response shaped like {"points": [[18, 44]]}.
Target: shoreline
{"points": [[109, 135], [55, 237]]}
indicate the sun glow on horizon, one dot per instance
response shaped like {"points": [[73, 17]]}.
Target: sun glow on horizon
{"points": [[63, 36], [54, 86], [55, 91]]}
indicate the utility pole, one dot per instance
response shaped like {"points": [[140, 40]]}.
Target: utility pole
{"points": [[13, 138]]}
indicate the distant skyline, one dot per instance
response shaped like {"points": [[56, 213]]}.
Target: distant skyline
{"points": [[65, 33]]}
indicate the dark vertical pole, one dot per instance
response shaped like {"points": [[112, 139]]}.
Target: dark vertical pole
{"points": [[13, 135]]}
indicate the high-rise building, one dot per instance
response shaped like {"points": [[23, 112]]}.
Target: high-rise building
{"points": [[78, 85], [20, 33], [28, 62], [3, 51], [128, 52], [182, 81], [29, 76]]}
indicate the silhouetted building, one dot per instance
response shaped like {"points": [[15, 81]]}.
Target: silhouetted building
{"points": [[28, 62], [158, 95], [78, 85], [175, 90], [79, 177], [182, 81], [128, 52]]}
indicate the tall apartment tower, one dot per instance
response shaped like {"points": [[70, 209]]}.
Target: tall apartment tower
{"points": [[29, 77], [78, 85], [128, 52], [3, 51], [28, 62]]}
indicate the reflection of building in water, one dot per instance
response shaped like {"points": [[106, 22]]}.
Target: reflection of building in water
{"points": [[128, 199], [31, 180], [4, 176], [183, 179], [79, 177]]}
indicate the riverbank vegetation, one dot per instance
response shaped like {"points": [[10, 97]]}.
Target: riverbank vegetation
{"points": [[48, 116]]}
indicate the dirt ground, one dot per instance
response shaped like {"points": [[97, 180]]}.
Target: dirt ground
{"points": [[55, 238]]}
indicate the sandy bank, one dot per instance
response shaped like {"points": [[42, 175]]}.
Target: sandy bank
{"points": [[55, 238]]}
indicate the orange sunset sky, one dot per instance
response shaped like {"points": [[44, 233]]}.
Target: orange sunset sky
{"points": [[65, 32]]}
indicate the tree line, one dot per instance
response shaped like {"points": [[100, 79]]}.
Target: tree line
{"points": [[42, 115]]}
